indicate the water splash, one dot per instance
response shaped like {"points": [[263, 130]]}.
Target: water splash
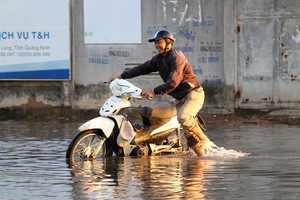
{"points": [[212, 150]]}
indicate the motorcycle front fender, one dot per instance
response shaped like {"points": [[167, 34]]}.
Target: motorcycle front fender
{"points": [[103, 123]]}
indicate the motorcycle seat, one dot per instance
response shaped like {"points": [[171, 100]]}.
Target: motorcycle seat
{"points": [[154, 116], [165, 109]]}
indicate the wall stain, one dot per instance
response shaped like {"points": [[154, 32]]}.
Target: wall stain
{"points": [[238, 29], [33, 102], [238, 94], [293, 77], [247, 61]]}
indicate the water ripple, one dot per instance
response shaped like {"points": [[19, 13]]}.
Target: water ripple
{"points": [[33, 166]]}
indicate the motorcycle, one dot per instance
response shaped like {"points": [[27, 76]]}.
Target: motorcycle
{"points": [[113, 132]]}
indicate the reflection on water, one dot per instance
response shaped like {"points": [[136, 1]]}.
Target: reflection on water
{"points": [[33, 166], [142, 178]]}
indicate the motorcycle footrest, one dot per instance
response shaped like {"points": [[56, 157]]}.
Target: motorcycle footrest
{"points": [[157, 149]]}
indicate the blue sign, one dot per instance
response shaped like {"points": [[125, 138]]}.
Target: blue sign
{"points": [[34, 41]]}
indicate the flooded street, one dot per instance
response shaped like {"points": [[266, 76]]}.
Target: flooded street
{"points": [[33, 166]]}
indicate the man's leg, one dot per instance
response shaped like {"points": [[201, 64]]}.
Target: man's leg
{"points": [[195, 143], [198, 131], [187, 110]]}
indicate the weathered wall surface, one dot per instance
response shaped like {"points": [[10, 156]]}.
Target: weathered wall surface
{"points": [[198, 27], [269, 54], [244, 52], [35, 95]]}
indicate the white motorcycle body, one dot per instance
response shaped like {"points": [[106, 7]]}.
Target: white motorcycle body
{"points": [[109, 118]]}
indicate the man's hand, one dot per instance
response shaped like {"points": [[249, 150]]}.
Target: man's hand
{"points": [[148, 94], [111, 78]]}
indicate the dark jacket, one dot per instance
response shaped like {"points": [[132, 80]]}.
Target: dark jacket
{"points": [[174, 69]]}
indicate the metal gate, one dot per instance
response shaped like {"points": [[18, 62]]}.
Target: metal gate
{"points": [[268, 54]]}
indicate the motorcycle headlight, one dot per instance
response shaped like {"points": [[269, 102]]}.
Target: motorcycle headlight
{"points": [[115, 88], [121, 87]]}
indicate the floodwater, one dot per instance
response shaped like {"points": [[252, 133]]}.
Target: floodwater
{"points": [[259, 161]]}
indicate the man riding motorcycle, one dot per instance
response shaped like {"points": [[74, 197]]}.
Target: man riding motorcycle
{"points": [[180, 82]]}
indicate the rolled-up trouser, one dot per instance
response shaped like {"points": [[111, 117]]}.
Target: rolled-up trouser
{"points": [[187, 109]]}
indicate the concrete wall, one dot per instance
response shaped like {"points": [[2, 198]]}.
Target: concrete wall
{"points": [[244, 52], [198, 27]]}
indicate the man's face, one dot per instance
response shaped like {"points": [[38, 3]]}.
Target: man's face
{"points": [[160, 45]]}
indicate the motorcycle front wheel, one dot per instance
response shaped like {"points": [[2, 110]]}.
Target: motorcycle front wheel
{"points": [[89, 145]]}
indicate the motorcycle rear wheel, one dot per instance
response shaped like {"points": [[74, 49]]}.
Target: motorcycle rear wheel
{"points": [[88, 145]]}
